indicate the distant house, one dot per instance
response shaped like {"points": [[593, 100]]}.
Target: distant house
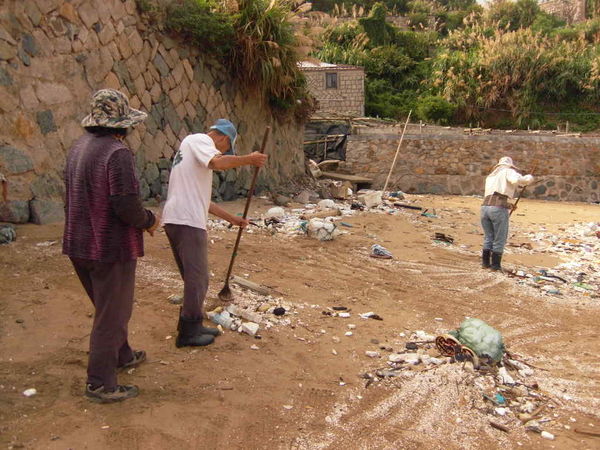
{"points": [[339, 88]]}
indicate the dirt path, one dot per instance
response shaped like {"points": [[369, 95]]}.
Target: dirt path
{"points": [[294, 392]]}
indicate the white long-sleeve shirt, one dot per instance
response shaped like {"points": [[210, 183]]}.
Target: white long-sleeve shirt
{"points": [[505, 180]]}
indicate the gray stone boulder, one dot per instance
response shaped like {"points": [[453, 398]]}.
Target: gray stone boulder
{"points": [[46, 211], [14, 161], [16, 211]]}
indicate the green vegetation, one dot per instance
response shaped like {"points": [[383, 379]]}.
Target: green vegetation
{"points": [[511, 65], [257, 41]]}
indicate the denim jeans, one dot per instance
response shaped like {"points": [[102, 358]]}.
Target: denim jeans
{"points": [[494, 221]]}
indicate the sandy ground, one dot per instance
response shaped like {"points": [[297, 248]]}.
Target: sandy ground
{"points": [[294, 392]]}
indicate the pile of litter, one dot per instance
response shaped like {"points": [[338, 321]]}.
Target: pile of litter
{"points": [[580, 273], [251, 312], [505, 393]]}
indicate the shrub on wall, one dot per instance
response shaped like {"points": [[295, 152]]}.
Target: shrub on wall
{"points": [[256, 40], [435, 109]]}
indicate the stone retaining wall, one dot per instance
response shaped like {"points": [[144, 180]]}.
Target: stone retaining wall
{"points": [[567, 168], [54, 54]]}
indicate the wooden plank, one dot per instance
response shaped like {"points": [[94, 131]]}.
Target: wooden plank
{"points": [[346, 177], [247, 284]]}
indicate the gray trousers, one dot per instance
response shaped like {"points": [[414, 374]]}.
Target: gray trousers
{"points": [[110, 288], [494, 221], [190, 249]]}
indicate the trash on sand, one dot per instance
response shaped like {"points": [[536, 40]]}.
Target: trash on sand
{"points": [[30, 392], [370, 198], [432, 215], [424, 337], [397, 194], [478, 336], [7, 233], [547, 435], [443, 238], [499, 426], [346, 224], [255, 347], [250, 328], [505, 378], [500, 399], [371, 315], [279, 311], [326, 204], [344, 315], [175, 299], [322, 230], [372, 354], [275, 213], [402, 205], [247, 284], [377, 251], [223, 318]]}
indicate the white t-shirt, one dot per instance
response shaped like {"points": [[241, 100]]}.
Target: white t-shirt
{"points": [[190, 183]]}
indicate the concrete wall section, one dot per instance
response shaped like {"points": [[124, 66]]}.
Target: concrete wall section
{"points": [[54, 54], [568, 168]]}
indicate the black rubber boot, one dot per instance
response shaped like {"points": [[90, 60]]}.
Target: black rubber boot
{"points": [[190, 334], [496, 261], [203, 330], [485, 258]]}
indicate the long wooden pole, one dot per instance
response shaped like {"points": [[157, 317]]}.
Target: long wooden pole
{"points": [[521, 194], [397, 151], [225, 293]]}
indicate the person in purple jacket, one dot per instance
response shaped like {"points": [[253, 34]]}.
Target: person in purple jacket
{"points": [[104, 224]]}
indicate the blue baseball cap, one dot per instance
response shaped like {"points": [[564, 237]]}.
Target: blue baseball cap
{"points": [[228, 129]]}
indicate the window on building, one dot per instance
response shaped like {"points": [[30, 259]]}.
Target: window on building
{"points": [[331, 80]]}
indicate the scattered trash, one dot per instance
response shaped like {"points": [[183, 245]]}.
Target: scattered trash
{"points": [[30, 392], [377, 251], [371, 315], [175, 299], [287, 407], [401, 205], [250, 328], [370, 198], [321, 229], [441, 237], [372, 354], [346, 224], [478, 337], [547, 435], [432, 215], [279, 311], [344, 315], [46, 244], [8, 233], [326, 204], [255, 347], [275, 213]]}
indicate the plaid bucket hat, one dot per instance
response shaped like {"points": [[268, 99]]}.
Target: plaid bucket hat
{"points": [[110, 108]]}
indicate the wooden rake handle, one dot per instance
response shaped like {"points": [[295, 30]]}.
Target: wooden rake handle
{"points": [[247, 207]]}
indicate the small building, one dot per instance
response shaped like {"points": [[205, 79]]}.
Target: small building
{"points": [[339, 88]]}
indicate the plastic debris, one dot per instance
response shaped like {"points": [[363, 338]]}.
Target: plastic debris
{"points": [[30, 392], [275, 213], [322, 230], [377, 251], [484, 340], [7, 233]]}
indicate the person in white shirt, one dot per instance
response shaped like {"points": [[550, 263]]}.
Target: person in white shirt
{"points": [[185, 215], [500, 185]]}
